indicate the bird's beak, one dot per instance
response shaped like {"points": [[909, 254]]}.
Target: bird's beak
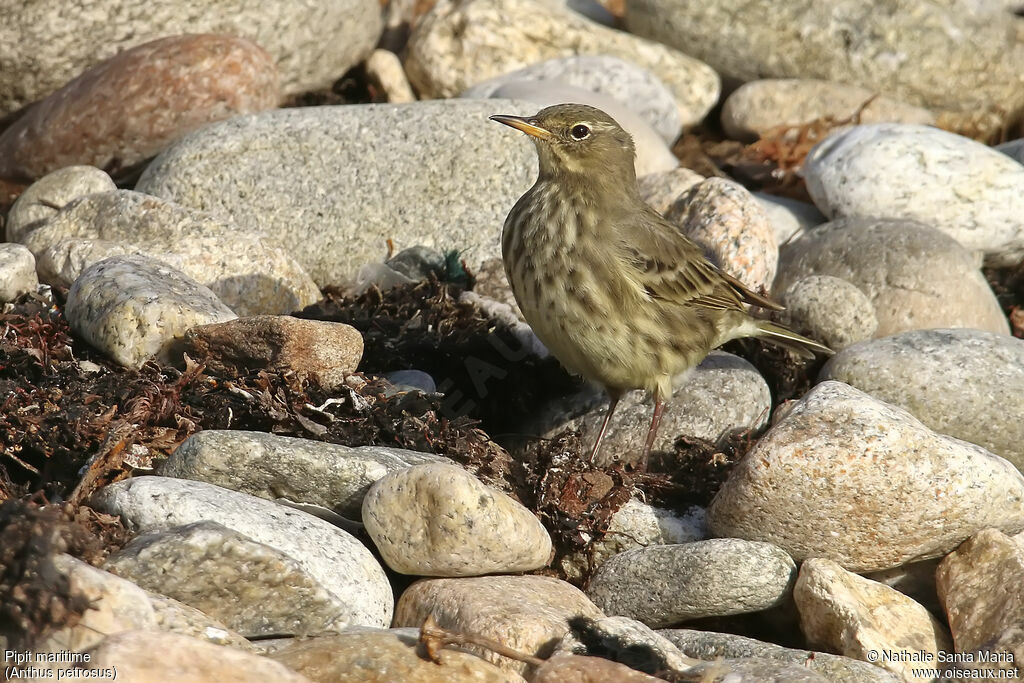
{"points": [[523, 124]]}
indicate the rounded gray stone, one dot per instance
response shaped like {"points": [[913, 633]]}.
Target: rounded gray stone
{"points": [[439, 520], [334, 558], [280, 173], [830, 310], [1013, 149], [133, 308], [915, 276], [416, 379], [967, 190], [666, 584], [847, 477], [789, 217], [964, 383], [250, 273], [301, 470], [17, 272], [44, 198], [629, 84], [49, 42]]}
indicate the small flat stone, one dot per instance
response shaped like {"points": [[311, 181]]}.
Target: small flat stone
{"points": [[335, 559], [325, 351], [625, 639], [17, 272], [667, 584], [860, 618], [43, 199], [437, 519], [384, 70], [301, 470], [964, 383], [847, 477], [526, 613], [129, 107], [831, 310], [133, 308]]}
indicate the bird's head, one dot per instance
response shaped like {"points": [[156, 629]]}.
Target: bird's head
{"points": [[578, 139]]}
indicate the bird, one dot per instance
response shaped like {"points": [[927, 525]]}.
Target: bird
{"points": [[616, 292]]}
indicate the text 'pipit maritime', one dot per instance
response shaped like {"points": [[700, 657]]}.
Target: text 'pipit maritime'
{"points": [[617, 293]]}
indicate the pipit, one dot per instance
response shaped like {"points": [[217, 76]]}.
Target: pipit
{"points": [[617, 293]]}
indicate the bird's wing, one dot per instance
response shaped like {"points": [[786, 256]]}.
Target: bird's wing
{"points": [[670, 266]]}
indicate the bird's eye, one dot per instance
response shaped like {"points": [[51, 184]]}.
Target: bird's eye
{"points": [[579, 132]]}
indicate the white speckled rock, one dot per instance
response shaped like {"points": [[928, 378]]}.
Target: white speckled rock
{"points": [[723, 394], [460, 43], [789, 217], [52, 41], [335, 559], [439, 520], [662, 585], [252, 274], [847, 477], [629, 84], [758, 106], [526, 613], [652, 154], [979, 586], [969, 191], [919, 51], [661, 190], [44, 198], [17, 272], [725, 219], [965, 383], [915, 276], [133, 308], [177, 617], [280, 173], [302, 470], [857, 617], [831, 310]]}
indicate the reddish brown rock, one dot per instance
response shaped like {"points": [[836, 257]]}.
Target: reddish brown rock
{"points": [[134, 104], [313, 348]]}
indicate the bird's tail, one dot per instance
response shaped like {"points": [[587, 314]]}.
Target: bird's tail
{"points": [[788, 339]]}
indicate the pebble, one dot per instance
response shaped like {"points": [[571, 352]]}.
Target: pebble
{"points": [[133, 308], [436, 519], [964, 383], [129, 107], [892, 52], [270, 466], [526, 613], [17, 272], [915, 276], [722, 395], [52, 41], [789, 217], [384, 656], [860, 618], [325, 351], [277, 173], [667, 584], [831, 310], [724, 218], [198, 565], [384, 70], [712, 646], [652, 153], [1013, 149], [332, 557], [625, 639], [412, 379], [979, 586], [460, 43], [915, 580], [579, 669], [43, 199], [251, 274], [636, 525], [153, 657], [758, 107], [846, 477], [753, 671], [962, 187], [662, 190], [631, 86]]}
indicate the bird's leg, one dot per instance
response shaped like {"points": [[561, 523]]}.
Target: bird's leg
{"points": [[614, 397], [659, 407]]}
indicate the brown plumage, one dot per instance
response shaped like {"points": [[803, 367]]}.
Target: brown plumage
{"points": [[617, 293]]}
